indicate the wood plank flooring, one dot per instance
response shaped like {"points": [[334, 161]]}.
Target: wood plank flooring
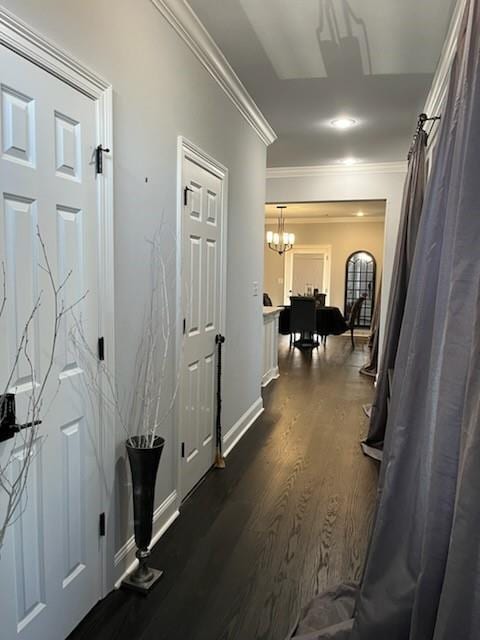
{"points": [[289, 516]]}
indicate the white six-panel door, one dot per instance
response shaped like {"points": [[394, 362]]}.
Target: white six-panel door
{"points": [[50, 563], [202, 265]]}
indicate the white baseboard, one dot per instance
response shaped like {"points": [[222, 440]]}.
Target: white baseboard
{"points": [[242, 425], [164, 515], [272, 374]]}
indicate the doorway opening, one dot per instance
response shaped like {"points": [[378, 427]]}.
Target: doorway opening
{"points": [[338, 250]]}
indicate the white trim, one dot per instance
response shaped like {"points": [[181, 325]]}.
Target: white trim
{"points": [[335, 169], [21, 38], [28, 43], [243, 424], [202, 158], [106, 265], [187, 149], [325, 220], [303, 249], [269, 376], [162, 513], [438, 90], [187, 25]]}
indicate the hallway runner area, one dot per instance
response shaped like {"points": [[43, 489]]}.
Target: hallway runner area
{"points": [[288, 518]]}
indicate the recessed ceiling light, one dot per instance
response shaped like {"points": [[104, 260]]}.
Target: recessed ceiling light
{"points": [[349, 161], [343, 123], [360, 214]]}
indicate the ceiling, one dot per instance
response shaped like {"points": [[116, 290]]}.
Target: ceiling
{"points": [[306, 62], [373, 210]]}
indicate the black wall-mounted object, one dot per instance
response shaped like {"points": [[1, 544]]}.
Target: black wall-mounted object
{"points": [[101, 525], [185, 195], [8, 418], [101, 348], [99, 151], [7, 411]]}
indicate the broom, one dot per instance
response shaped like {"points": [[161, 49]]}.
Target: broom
{"points": [[219, 459]]}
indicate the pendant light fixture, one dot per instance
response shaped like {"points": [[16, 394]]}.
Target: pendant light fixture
{"points": [[280, 241]]}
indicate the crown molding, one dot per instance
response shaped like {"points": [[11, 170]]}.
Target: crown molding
{"points": [[438, 90], [335, 169], [324, 220], [21, 38], [183, 19]]}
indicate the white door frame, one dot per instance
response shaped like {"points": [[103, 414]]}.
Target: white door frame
{"points": [[28, 43], [187, 149], [303, 249]]}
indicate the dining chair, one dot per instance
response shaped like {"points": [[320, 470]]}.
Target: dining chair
{"points": [[303, 318], [354, 316], [320, 299]]}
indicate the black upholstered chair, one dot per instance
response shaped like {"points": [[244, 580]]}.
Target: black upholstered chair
{"points": [[303, 320], [320, 299], [354, 316]]}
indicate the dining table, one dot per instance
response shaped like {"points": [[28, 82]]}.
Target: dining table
{"points": [[329, 321]]}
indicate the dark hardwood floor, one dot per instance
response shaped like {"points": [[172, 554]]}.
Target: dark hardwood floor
{"points": [[288, 517]]}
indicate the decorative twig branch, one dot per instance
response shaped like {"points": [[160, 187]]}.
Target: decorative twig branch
{"points": [[142, 411], [14, 477]]}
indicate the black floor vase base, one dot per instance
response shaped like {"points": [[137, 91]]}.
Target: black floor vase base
{"points": [[144, 463]]}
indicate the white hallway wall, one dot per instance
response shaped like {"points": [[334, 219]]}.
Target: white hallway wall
{"points": [[329, 183], [161, 91]]}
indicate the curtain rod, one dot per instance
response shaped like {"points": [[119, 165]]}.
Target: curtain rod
{"points": [[422, 119]]}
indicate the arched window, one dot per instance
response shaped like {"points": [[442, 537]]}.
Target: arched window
{"points": [[360, 275]]}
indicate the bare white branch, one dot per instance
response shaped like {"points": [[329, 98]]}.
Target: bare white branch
{"points": [[24, 446], [143, 410]]}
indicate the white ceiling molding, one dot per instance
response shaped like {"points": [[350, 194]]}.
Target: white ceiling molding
{"points": [[438, 90], [186, 23], [335, 169], [18, 36], [324, 220]]}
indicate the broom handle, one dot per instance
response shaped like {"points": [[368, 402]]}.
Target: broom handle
{"points": [[219, 340]]}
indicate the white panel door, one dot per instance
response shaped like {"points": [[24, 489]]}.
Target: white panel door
{"points": [[307, 273], [50, 563], [201, 268]]}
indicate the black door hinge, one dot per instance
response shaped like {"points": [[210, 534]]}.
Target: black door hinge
{"points": [[183, 449], [184, 326], [185, 195], [99, 151], [101, 348], [101, 525]]}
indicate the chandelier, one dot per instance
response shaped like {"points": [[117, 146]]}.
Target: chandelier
{"points": [[280, 241]]}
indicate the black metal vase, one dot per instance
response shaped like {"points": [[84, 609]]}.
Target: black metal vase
{"points": [[144, 463]]}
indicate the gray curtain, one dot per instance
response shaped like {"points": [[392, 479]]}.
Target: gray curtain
{"points": [[413, 196], [422, 576]]}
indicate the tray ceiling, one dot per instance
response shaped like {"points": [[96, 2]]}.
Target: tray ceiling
{"points": [[306, 62]]}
